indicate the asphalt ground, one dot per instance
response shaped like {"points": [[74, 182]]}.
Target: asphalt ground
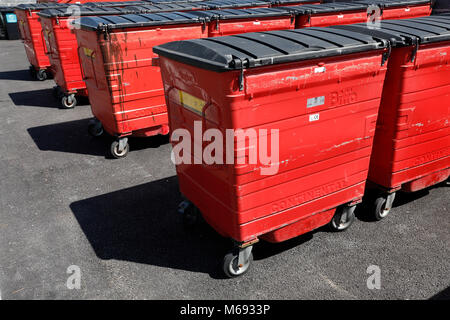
{"points": [[63, 203]]}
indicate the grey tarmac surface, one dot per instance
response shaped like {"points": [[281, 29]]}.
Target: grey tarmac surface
{"points": [[63, 203]]}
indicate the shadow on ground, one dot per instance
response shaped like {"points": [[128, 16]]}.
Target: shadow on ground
{"points": [[21, 75], [73, 137], [35, 98], [141, 224], [443, 295], [43, 98], [70, 137]]}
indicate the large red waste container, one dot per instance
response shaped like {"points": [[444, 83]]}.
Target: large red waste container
{"points": [[412, 141], [31, 34], [319, 88], [63, 50], [233, 21], [136, 105], [400, 9], [122, 72], [328, 14]]}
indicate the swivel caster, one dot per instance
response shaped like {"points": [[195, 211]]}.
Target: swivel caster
{"points": [[383, 205], [119, 148], [237, 262], [68, 101], [343, 218], [95, 128], [41, 75]]}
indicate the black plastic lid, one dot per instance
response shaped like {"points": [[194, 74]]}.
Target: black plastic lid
{"points": [[229, 14], [168, 7], [42, 6], [222, 4], [407, 31], [115, 4], [268, 48], [394, 3], [104, 23], [85, 11], [327, 8]]}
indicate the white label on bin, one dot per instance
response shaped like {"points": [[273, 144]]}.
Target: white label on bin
{"points": [[340, 16], [320, 70], [313, 117], [407, 9], [257, 22], [316, 101]]}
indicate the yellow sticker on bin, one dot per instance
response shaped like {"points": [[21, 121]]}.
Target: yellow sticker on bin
{"points": [[191, 103]]}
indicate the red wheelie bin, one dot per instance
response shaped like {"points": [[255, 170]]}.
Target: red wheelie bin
{"points": [[313, 93], [329, 14], [125, 91], [33, 40], [400, 9], [412, 141], [122, 73], [63, 49], [234, 21]]}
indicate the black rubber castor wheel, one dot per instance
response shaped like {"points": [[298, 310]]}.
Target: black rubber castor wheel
{"points": [[41, 75], [116, 152], [68, 101], [230, 265], [95, 128], [343, 218], [382, 206]]}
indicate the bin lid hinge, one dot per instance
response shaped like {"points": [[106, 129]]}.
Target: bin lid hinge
{"points": [[104, 28], [387, 54], [416, 48]]}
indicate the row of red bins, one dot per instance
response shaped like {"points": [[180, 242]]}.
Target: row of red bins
{"points": [[336, 77], [349, 105], [52, 48]]}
